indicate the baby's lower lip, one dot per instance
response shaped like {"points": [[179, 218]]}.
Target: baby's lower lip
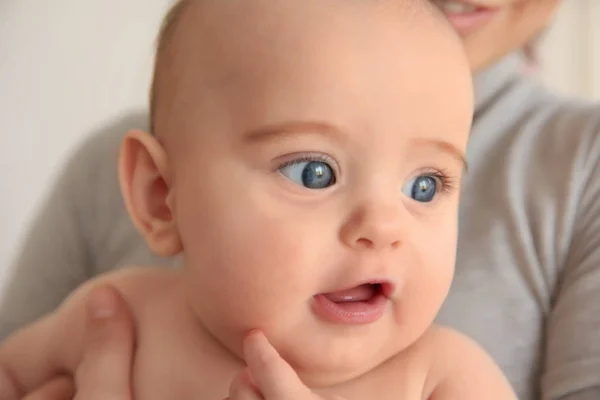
{"points": [[350, 312]]}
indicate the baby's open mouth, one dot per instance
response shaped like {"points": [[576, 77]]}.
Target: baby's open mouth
{"points": [[466, 15], [361, 304], [358, 293]]}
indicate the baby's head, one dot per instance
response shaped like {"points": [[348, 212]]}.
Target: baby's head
{"points": [[301, 148]]}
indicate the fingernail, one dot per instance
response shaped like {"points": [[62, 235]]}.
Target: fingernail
{"points": [[253, 333], [255, 345], [103, 303], [251, 337]]}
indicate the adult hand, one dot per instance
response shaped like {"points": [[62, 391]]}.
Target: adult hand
{"points": [[105, 370], [268, 376], [61, 388]]}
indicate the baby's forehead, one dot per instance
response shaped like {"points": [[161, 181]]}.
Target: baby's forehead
{"points": [[211, 42], [188, 17]]}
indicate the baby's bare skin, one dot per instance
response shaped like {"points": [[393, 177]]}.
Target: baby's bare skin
{"points": [[165, 371], [306, 162], [177, 358]]}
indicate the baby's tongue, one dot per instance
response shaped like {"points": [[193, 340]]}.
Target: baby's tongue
{"points": [[357, 293]]}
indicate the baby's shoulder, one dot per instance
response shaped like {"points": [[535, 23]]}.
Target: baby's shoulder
{"points": [[138, 286], [141, 288], [136, 282], [440, 338], [459, 368]]}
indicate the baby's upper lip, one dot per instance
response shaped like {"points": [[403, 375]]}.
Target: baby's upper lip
{"points": [[388, 287], [475, 3]]}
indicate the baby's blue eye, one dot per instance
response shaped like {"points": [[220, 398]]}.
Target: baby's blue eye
{"points": [[422, 188], [310, 174]]}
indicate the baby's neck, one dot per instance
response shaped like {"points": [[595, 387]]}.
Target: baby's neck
{"points": [[210, 342]]}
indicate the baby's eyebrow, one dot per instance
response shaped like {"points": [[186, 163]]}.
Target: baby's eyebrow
{"points": [[445, 147], [281, 130], [277, 131]]}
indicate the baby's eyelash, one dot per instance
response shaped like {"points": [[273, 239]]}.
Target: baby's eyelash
{"points": [[447, 181], [309, 158]]}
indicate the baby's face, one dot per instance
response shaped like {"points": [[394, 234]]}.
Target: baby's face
{"points": [[316, 170]]}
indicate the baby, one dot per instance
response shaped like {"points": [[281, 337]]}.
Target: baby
{"points": [[305, 160]]}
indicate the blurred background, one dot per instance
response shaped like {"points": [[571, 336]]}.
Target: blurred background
{"points": [[67, 67]]}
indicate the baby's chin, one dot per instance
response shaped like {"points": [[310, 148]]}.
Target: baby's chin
{"points": [[324, 355], [322, 365]]}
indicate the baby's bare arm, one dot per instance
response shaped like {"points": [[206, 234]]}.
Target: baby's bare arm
{"points": [[462, 370]]}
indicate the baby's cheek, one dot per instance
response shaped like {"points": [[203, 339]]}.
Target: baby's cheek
{"points": [[438, 271], [426, 284], [257, 261], [257, 255]]}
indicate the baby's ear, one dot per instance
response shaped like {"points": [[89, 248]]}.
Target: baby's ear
{"points": [[145, 185]]}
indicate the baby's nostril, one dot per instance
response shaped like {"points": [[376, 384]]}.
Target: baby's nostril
{"points": [[365, 243]]}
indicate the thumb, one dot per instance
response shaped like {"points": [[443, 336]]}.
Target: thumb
{"points": [[275, 378], [60, 388], [105, 370]]}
